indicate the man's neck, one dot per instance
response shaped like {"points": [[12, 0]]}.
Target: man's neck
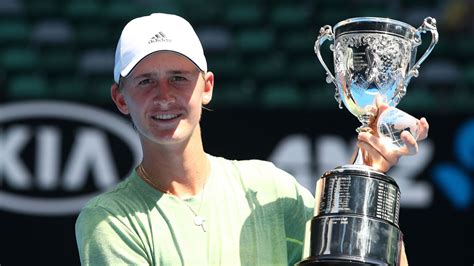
{"points": [[182, 170]]}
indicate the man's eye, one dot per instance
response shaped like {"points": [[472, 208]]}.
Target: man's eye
{"points": [[145, 82], [178, 78]]}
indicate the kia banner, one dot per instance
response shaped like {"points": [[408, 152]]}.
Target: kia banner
{"points": [[55, 156]]}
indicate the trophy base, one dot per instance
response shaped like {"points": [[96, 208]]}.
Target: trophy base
{"points": [[335, 262], [356, 219]]}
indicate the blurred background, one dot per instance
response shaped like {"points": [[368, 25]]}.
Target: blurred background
{"points": [[62, 141]]}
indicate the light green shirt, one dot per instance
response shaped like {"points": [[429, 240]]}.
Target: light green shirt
{"points": [[255, 215]]}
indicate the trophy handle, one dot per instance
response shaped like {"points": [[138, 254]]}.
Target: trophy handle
{"points": [[429, 24], [325, 33]]}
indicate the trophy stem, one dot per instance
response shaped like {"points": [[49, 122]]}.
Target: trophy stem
{"points": [[366, 120], [359, 158]]}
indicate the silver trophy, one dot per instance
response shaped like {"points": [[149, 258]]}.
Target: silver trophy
{"points": [[357, 207]]}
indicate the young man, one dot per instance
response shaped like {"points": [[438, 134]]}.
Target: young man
{"points": [[182, 206]]}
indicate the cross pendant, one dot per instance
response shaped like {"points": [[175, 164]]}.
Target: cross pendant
{"points": [[199, 221]]}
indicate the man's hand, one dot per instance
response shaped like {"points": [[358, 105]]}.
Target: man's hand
{"points": [[382, 156]]}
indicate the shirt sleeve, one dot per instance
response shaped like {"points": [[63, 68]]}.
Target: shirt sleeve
{"points": [[297, 205], [297, 214], [297, 210], [105, 239]]}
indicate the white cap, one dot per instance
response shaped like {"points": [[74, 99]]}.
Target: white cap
{"points": [[156, 32]]}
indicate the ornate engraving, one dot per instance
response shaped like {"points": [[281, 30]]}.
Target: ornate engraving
{"points": [[370, 64]]}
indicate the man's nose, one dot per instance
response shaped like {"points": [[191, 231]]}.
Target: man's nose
{"points": [[164, 96]]}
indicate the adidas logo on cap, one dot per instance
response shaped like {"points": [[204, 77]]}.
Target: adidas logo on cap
{"points": [[159, 37]]}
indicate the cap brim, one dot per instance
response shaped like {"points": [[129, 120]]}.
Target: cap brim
{"points": [[129, 68]]}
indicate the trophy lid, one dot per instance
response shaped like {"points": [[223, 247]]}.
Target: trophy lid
{"points": [[360, 170], [375, 24]]}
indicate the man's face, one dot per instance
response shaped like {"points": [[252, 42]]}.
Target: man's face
{"points": [[164, 94]]}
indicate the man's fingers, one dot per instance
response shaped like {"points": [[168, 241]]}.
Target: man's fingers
{"points": [[373, 158], [379, 153], [411, 146], [423, 129], [380, 104], [379, 147]]}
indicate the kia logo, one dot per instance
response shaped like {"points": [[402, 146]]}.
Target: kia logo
{"points": [[55, 156]]}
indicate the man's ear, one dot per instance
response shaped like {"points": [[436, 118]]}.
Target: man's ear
{"points": [[119, 98], [208, 88]]}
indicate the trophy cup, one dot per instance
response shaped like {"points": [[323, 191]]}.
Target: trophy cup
{"points": [[357, 206]]}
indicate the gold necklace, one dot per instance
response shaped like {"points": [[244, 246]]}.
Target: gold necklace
{"points": [[198, 219], [143, 174]]}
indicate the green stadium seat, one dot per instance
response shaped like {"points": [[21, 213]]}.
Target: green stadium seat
{"points": [[69, 88], [14, 31], [290, 15], [59, 60], [97, 61], [340, 4], [19, 59], [227, 3], [375, 11], [99, 89], [27, 86], [468, 76], [299, 41], [332, 16], [282, 96], [43, 8], [441, 71], [83, 9], [268, 67], [94, 35], [226, 66], [123, 10], [417, 3], [56, 31], [198, 15], [239, 14], [462, 100], [306, 69], [419, 98], [464, 46], [11, 8], [442, 49], [165, 6], [255, 40], [215, 38], [233, 94], [320, 95]]}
